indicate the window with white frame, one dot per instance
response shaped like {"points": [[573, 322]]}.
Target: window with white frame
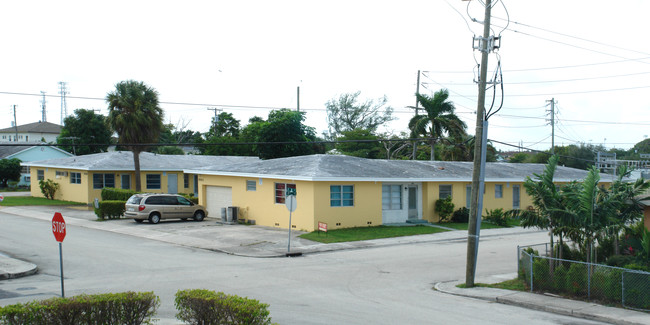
{"points": [[40, 174], [516, 199], [75, 178], [498, 191], [186, 180], [341, 195], [391, 197], [281, 191]]}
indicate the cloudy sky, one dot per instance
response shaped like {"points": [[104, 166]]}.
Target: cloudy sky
{"points": [[248, 57]]}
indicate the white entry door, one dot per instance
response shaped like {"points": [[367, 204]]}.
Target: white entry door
{"points": [[172, 183]]}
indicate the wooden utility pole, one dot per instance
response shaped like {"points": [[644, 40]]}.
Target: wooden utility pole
{"points": [[477, 186]]}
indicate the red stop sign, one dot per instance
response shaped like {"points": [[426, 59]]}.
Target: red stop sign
{"points": [[58, 227]]}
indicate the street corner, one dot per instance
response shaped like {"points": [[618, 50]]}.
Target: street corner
{"points": [[11, 268]]}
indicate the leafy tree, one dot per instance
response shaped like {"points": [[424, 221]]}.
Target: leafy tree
{"points": [[225, 126], [84, 127], [519, 157], [9, 170], [346, 113], [438, 120], [135, 114], [367, 147], [642, 146], [285, 126]]}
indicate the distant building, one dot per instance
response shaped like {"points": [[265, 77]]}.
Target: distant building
{"points": [[31, 133], [31, 153]]}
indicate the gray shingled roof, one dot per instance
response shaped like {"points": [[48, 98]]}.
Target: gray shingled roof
{"points": [[6, 151], [123, 160], [337, 167], [36, 127]]}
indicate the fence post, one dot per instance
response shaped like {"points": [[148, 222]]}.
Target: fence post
{"points": [[531, 272], [623, 288], [589, 281], [518, 263]]}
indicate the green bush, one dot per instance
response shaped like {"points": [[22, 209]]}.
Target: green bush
{"points": [[496, 216], [48, 188], [205, 307], [444, 208], [460, 215], [110, 209], [559, 278], [541, 275], [576, 279], [620, 260], [112, 308], [191, 197], [116, 194]]}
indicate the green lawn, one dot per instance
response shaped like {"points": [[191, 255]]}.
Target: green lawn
{"points": [[367, 233], [29, 200], [484, 225]]}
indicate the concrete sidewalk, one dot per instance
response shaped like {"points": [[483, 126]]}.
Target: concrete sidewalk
{"points": [[265, 242]]}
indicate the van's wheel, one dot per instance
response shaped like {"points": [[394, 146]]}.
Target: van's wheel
{"points": [[138, 220], [154, 218], [199, 215]]}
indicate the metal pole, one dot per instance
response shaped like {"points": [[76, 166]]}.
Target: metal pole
{"points": [[61, 265], [289, 242], [531, 272], [475, 214]]}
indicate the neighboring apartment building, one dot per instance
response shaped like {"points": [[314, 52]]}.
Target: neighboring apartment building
{"points": [[344, 191], [31, 153], [31, 133]]}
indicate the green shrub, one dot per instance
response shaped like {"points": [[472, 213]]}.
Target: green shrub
{"points": [[110, 209], [112, 308], [613, 285], [559, 278], [576, 279], [48, 188], [444, 208], [460, 215], [116, 194], [496, 216], [541, 275], [205, 307], [191, 197], [620, 260]]}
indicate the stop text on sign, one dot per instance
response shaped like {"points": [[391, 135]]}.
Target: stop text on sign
{"points": [[58, 227]]}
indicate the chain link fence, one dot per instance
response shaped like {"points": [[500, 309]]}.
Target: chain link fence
{"points": [[595, 282]]}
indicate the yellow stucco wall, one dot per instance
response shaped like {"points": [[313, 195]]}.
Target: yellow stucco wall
{"points": [[85, 193]]}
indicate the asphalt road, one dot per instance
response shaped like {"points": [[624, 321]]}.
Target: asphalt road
{"points": [[386, 285]]}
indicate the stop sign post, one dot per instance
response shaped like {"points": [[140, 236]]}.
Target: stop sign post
{"points": [[59, 231]]}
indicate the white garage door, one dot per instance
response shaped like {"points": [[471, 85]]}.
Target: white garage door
{"points": [[217, 197]]}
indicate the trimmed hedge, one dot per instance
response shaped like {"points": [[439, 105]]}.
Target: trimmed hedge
{"points": [[205, 307], [110, 209], [132, 308], [116, 194]]}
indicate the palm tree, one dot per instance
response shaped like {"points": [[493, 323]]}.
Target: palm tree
{"points": [[133, 113], [438, 120]]}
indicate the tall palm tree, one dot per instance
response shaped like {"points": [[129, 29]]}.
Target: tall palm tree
{"points": [[134, 113], [438, 120]]}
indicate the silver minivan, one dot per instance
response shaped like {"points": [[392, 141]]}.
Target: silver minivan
{"points": [[155, 207]]}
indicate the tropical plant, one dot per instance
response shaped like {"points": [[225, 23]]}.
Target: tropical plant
{"points": [[438, 120], [359, 143], [48, 188], [444, 208], [134, 113]]}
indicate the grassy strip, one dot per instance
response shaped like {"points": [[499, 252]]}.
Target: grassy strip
{"points": [[11, 201], [367, 233], [514, 284], [484, 225]]}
